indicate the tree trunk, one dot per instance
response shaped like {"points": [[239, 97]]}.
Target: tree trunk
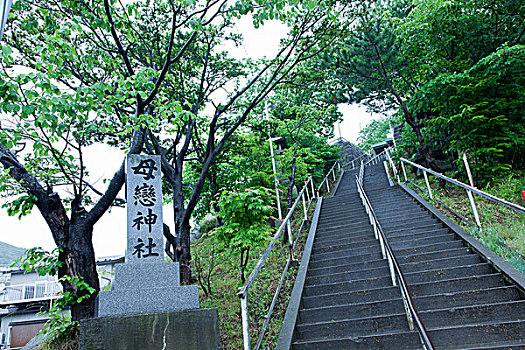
{"points": [[185, 253], [78, 259], [425, 151]]}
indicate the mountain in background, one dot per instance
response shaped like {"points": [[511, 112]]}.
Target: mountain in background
{"points": [[9, 253]]}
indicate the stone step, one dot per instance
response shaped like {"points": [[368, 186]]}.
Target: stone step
{"points": [[454, 285], [459, 285], [334, 261], [338, 225], [400, 231], [347, 286], [433, 255], [355, 327], [475, 314], [428, 248], [395, 305], [413, 273], [407, 218], [343, 312], [449, 273], [348, 276], [356, 297], [344, 239], [420, 241], [405, 267], [331, 248], [348, 252], [400, 340], [427, 223], [353, 215], [400, 236], [322, 235]]}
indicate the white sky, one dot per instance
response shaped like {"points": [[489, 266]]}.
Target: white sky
{"points": [[109, 237]]}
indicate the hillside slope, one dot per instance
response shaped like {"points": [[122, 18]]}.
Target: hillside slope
{"points": [[8, 253]]}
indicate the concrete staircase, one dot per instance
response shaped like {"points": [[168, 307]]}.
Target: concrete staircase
{"points": [[348, 301]]}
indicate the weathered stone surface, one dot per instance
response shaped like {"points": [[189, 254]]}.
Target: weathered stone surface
{"points": [[147, 300], [144, 209], [184, 330], [146, 275], [145, 284]]}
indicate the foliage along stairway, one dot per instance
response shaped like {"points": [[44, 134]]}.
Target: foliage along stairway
{"points": [[348, 301]]}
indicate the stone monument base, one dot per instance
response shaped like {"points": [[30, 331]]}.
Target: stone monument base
{"points": [[184, 330], [146, 288]]}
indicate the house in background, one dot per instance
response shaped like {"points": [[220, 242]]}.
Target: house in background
{"points": [[23, 296]]}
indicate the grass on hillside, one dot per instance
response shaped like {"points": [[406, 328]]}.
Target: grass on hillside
{"points": [[503, 229], [225, 282]]}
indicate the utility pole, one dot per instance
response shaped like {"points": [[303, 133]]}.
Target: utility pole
{"points": [[276, 181], [6, 7]]}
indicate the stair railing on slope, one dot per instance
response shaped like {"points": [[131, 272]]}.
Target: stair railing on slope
{"points": [[371, 161], [353, 162], [286, 224], [395, 271], [361, 171], [377, 158], [469, 189], [392, 165], [325, 181]]}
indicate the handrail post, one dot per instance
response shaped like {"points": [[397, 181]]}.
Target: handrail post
{"points": [[290, 239], [381, 242], [306, 190], [428, 185], [245, 322], [392, 272], [404, 170], [327, 186], [394, 169], [410, 319], [333, 173], [313, 187], [375, 230], [469, 193], [304, 208]]}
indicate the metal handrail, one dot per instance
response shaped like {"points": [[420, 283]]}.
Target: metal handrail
{"points": [[376, 158], [353, 160], [394, 168], [361, 171], [395, 268], [243, 291], [490, 197], [325, 180]]}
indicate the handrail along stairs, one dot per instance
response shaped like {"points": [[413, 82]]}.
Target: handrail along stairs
{"points": [[395, 269], [243, 291]]}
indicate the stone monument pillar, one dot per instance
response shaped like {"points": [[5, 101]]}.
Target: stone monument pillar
{"points": [[145, 284]]}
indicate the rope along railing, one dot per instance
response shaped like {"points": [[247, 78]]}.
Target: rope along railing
{"points": [[469, 189], [304, 196], [414, 321]]}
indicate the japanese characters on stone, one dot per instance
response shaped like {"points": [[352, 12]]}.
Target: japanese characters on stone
{"points": [[144, 204]]}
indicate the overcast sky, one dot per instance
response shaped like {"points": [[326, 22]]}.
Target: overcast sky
{"points": [[109, 236]]}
